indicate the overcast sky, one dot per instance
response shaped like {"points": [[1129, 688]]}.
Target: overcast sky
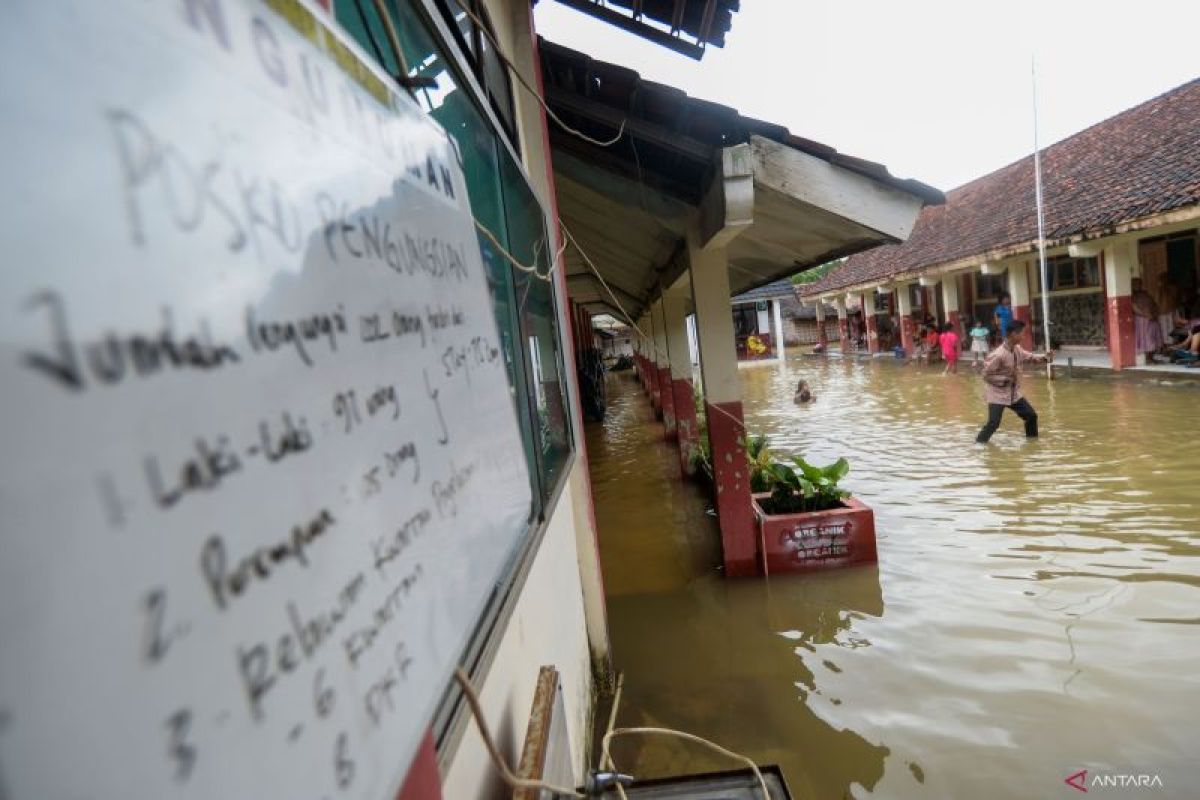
{"points": [[938, 90]]}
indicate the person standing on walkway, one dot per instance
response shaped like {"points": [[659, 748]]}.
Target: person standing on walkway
{"points": [[979, 343], [1004, 315], [1147, 334], [1002, 379]]}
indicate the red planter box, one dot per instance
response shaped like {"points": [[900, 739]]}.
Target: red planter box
{"points": [[816, 540]]}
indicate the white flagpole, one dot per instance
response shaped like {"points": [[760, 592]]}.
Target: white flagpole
{"points": [[1041, 221]]}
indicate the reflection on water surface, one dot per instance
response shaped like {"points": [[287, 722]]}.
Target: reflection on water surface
{"points": [[1033, 612]]}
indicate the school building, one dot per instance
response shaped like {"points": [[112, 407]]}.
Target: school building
{"points": [[1122, 203], [669, 207], [404, 233]]}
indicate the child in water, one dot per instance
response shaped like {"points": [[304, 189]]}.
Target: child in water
{"points": [[948, 340], [803, 393]]}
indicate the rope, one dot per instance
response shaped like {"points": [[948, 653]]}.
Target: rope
{"points": [[514, 783], [689, 737], [393, 40], [606, 760], [531, 269]]}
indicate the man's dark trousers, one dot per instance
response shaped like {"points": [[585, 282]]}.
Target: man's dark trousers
{"points": [[1022, 410]]}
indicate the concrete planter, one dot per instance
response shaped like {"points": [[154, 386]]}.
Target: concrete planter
{"points": [[815, 540]]}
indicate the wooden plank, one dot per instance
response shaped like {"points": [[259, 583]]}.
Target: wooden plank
{"points": [[847, 194], [546, 754]]}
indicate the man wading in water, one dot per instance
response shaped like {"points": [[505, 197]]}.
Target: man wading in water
{"points": [[1002, 376]]}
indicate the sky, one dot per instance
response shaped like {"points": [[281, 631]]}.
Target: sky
{"points": [[938, 91]]}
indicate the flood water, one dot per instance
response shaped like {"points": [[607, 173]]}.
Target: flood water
{"points": [[1035, 610]]}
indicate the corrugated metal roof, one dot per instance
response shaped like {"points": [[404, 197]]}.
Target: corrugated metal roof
{"points": [[770, 291], [686, 26], [675, 134], [629, 204]]}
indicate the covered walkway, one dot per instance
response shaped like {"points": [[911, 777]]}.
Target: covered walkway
{"points": [[700, 653], [672, 205]]}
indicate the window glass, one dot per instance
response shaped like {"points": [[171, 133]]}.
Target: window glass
{"points": [[1064, 274], [482, 156], [491, 72], [358, 18], [989, 285], [536, 309], [496, 80], [1089, 272], [1072, 273], [466, 28]]}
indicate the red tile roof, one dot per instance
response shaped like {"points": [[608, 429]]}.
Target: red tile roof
{"points": [[1141, 162]]}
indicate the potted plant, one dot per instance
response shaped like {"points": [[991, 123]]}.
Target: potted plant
{"points": [[758, 460], [807, 522]]}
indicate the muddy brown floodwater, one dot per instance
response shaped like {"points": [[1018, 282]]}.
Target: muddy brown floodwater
{"points": [[1034, 611]]}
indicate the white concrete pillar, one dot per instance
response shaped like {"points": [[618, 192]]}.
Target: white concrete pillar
{"points": [[872, 324], [777, 318], [1018, 287], [683, 408], [843, 319], [950, 303], [662, 355], [1018, 283], [723, 407], [950, 294], [662, 366], [822, 334], [714, 325], [868, 303], [646, 349], [676, 303], [905, 311], [904, 301], [1120, 260]]}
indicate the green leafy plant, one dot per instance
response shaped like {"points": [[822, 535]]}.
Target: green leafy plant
{"points": [[758, 458], [800, 486], [701, 458]]}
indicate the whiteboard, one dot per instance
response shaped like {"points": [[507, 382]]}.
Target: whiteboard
{"points": [[261, 465]]}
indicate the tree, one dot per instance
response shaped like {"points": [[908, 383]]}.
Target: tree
{"points": [[816, 273]]}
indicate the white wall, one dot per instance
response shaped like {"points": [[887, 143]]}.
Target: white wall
{"points": [[547, 627]]}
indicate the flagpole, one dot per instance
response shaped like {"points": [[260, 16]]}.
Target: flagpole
{"points": [[1041, 220]]}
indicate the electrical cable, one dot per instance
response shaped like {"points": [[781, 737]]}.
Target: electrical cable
{"points": [[689, 737], [398, 52], [534, 92], [628, 319], [506, 774]]}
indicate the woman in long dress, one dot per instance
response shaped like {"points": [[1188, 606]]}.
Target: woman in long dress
{"points": [[1148, 336]]}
